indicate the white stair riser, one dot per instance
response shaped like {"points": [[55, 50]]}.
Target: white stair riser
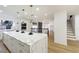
{"points": [[70, 33]]}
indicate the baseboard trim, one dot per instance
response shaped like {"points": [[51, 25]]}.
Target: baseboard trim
{"points": [[61, 45]]}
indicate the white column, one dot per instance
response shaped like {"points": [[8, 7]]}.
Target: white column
{"points": [[77, 26], [60, 27]]}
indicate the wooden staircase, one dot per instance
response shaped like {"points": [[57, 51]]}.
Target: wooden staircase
{"points": [[70, 33], [73, 44], [71, 36]]}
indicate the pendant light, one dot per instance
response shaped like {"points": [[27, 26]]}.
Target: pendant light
{"points": [[31, 19]]}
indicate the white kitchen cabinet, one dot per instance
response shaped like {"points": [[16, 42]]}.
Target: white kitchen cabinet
{"points": [[20, 47], [7, 42], [16, 45], [41, 45]]}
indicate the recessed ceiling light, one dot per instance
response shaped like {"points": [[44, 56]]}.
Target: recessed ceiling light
{"points": [[35, 16], [37, 9], [1, 11], [4, 5], [25, 13]]}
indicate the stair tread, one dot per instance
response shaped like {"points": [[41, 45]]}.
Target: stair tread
{"points": [[71, 37], [71, 33]]}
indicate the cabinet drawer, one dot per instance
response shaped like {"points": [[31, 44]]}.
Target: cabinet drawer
{"points": [[19, 46], [15, 46], [23, 47], [7, 42]]}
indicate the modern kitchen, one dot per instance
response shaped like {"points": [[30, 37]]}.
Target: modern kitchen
{"points": [[24, 28], [39, 29]]}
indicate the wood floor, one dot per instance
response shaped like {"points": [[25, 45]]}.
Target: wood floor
{"points": [[73, 46], [3, 49]]}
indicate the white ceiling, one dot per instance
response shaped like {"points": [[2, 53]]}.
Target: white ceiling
{"points": [[47, 10]]}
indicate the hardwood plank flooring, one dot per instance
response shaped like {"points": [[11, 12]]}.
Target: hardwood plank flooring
{"points": [[3, 49], [72, 47]]}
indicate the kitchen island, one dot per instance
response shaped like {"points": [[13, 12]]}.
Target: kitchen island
{"points": [[18, 42]]}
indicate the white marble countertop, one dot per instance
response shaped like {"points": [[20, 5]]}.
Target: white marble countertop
{"points": [[25, 37]]}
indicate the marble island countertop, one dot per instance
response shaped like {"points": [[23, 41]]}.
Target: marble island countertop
{"points": [[25, 37]]}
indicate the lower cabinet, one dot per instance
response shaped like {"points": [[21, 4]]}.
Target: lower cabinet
{"points": [[16, 46], [40, 46], [20, 46]]}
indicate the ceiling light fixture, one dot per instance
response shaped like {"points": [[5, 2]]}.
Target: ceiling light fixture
{"points": [[23, 9], [4, 5], [31, 5], [35, 16], [37, 9], [18, 14]]}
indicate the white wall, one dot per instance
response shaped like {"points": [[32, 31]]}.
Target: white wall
{"points": [[77, 26], [60, 27]]}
